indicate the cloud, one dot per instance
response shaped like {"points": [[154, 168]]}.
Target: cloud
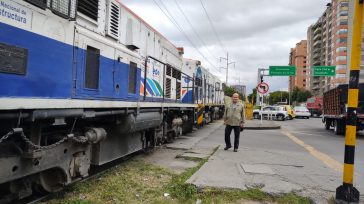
{"points": [[255, 33]]}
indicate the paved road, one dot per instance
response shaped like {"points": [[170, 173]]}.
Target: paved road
{"points": [[302, 157], [313, 133]]}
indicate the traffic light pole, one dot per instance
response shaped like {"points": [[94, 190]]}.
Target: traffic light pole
{"points": [[347, 193]]}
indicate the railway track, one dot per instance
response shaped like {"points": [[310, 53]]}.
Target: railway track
{"points": [[94, 172]]}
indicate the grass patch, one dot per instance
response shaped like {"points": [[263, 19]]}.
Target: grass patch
{"points": [[137, 181]]}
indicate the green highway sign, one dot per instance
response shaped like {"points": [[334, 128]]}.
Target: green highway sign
{"points": [[324, 71], [282, 71]]}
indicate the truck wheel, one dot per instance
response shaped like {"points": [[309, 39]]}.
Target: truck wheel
{"points": [[327, 124], [339, 127]]}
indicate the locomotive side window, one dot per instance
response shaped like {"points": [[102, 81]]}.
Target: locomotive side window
{"points": [[92, 68], [132, 77], [89, 8], [39, 3]]}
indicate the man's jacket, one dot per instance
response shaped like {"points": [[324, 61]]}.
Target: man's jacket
{"points": [[234, 114]]}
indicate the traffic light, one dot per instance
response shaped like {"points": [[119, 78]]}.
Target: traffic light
{"points": [[261, 79]]}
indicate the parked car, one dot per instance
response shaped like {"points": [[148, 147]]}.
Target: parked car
{"points": [[277, 112], [302, 112], [290, 112]]}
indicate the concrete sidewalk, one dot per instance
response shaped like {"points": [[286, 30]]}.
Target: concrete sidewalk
{"points": [[274, 170]]}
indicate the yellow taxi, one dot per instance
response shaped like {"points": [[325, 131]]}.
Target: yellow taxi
{"points": [[290, 112]]}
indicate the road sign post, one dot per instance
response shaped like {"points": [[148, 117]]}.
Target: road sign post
{"points": [[282, 71], [347, 193], [262, 88]]}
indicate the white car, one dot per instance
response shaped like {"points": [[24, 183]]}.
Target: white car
{"points": [[278, 112], [301, 112]]}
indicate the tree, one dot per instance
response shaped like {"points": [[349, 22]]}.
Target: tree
{"points": [[252, 96], [299, 95], [278, 96], [229, 91]]}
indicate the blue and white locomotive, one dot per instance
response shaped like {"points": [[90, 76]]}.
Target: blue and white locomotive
{"points": [[85, 82]]}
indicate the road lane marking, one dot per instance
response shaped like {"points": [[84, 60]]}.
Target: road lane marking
{"points": [[326, 159], [305, 133]]}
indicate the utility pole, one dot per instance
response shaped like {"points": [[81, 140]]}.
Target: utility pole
{"points": [[347, 193], [227, 66]]}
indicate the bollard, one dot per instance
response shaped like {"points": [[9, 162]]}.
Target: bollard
{"points": [[347, 193]]}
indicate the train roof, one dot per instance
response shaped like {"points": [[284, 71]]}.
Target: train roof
{"points": [[145, 23]]}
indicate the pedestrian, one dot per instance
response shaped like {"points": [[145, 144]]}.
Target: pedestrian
{"points": [[234, 119]]}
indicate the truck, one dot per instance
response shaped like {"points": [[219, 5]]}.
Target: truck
{"points": [[314, 105], [335, 109]]}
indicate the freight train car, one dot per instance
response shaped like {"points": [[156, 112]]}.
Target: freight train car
{"points": [[82, 83]]}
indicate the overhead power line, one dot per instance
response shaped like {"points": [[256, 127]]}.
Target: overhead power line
{"points": [[212, 26], [166, 12], [193, 29]]}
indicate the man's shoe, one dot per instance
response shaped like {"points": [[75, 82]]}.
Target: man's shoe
{"points": [[226, 148], [235, 150]]}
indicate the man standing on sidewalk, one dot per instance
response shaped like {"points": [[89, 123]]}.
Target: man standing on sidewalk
{"points": [[234, 119]]}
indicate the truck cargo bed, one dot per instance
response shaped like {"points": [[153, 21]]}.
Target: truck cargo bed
{"points": [[335, 101]]}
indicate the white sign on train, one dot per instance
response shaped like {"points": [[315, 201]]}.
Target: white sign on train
{"points": [[14, 14]]}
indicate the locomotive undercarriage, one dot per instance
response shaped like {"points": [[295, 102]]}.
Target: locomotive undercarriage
{"points": [[44, 150]]}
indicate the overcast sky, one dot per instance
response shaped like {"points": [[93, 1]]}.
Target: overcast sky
{"points": [[255, 33]]}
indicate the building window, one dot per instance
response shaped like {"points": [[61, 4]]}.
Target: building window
{"points": [[341, 49], [342, 66], [341, 40], [342, 22], [340, 58], [342, 31], [343, 4], [92, 68], [340, 76], [342, 13]]}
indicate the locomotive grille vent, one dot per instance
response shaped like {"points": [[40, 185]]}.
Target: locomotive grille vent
{"points": [[89, 8], [169, 71], [178, 90], [168, 88], [114, 20], [39, 3]]}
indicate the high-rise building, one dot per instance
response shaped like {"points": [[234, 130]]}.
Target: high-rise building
{"points": [[327, 46], [340, 40], [297, 57], [350, 35], [240, 88]]}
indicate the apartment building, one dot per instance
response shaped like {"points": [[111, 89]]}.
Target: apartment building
{"points": [[297, 57], [327, 46], [350, 35]]}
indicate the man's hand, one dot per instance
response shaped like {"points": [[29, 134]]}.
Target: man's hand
{"points": [[225, 122], [242, 125]]}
